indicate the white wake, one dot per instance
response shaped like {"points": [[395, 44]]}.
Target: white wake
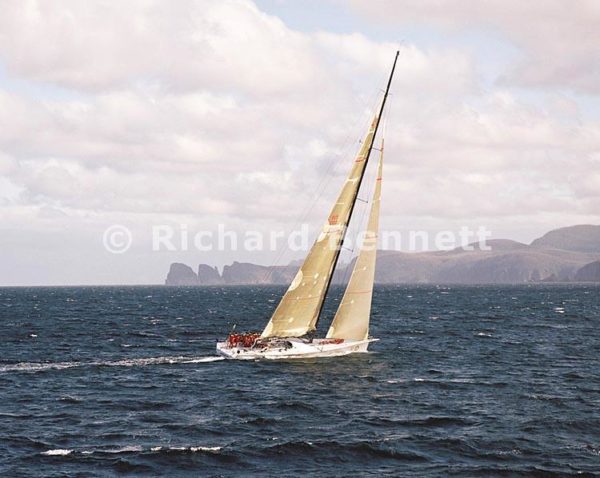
{"points": [[137, 362]]}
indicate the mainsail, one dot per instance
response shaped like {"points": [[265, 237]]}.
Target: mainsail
{"points": [[351, 321], [298, 312]]}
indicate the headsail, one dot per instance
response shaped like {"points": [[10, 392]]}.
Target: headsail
{"points": [[300, 307], [351, 321]]}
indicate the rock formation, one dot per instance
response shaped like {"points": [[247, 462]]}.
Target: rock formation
{"points": [[559, 255], [209, 275], [583, 238], [180, 274], [589, 273]]}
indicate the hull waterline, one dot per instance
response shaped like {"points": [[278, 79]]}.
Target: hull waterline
{"points": [[295, 349]]}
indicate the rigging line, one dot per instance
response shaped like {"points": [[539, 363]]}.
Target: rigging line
{"points": [[360, 179], [301, 218], [372, 103], [324, 182], [370, 184], [326, 179], [333, 163], [364, 122], [361, 224], [386, 124], [358, 224], [336, 161], [371, 188], [354, 226]]}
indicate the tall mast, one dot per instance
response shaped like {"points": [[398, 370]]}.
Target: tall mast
{"points": [[378, 120]]}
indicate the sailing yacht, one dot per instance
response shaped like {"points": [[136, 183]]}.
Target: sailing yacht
{"points": [[289, 334]]}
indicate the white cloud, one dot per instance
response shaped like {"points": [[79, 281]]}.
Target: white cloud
{"points": [[206, 111], [94, 46], [559, 39]]}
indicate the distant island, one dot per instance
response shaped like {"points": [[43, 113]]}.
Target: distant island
{"points": [[562, 255]]}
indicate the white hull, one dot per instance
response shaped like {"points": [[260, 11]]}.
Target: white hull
{"points": [[293, 348]]}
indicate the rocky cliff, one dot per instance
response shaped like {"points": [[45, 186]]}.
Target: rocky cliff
{"points": [[559, 255], [583, 238], [180, 274], [589, 273], [209, 275], [497, 266]]}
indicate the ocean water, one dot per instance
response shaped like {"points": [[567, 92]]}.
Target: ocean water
{"points": [[465, 381]]}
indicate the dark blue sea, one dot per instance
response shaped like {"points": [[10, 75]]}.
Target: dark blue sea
{"points": [[465, 381]]}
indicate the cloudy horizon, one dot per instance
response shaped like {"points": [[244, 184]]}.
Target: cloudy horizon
{"points": [[247, 114]]}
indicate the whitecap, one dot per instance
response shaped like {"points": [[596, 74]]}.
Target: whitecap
{"points": [[57, 452], [138, 448], [211, 449], [126, 449]]}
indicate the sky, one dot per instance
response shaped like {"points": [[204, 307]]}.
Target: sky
{"points": [[194, 115]]}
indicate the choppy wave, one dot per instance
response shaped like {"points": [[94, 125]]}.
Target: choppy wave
{"points": [[362, 450], [434, 399]]}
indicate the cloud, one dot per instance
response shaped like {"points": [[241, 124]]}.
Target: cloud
{"points": [[559, 39], [198, 112], [95, 46], [198, 98]]}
